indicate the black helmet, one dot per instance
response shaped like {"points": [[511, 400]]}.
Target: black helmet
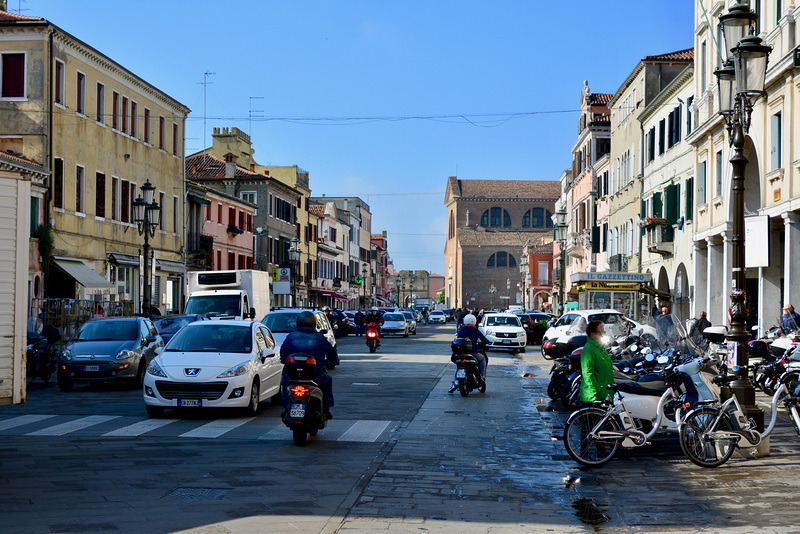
{"points": [[306, 319]]}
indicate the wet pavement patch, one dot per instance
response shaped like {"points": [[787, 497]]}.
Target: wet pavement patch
{"points": [[207, 494], [589, 512]]}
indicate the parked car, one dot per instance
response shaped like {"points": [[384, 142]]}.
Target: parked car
{"points": [[450, 313], [555, 341], [412, 322], [395, 324], [529, 322], [167, 326], [346, 326], [437, 316], [504, 331], [215, 364], [284, 321], [111, 349]]}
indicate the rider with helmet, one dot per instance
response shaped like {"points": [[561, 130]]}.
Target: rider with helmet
{"points": [[331, 319], [470, 331], [374, 317], [306, 340]]}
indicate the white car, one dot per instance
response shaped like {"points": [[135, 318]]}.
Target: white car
{"points": [[437, 316], [283, 322], [504, 331], [213, 364], [412, 322], [395, 324], [616, 325]]}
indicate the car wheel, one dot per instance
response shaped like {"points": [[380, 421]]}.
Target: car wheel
{"points": [[154, 411], [252, 406]]}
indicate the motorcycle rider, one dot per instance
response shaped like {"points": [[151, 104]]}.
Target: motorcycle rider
{"points": [[596, 368], [470, 331], [373, 317], [331, 319], [306, 340]]}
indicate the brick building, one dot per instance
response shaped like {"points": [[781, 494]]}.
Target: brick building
{"points": [[490, 222]]}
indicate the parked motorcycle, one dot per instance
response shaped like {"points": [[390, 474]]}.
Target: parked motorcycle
{"points": [[468, 373], [373, 337], [306, 414], [43, 351]]}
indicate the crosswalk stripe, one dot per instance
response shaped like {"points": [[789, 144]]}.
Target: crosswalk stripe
{"points": [[142, 427], [72, 426], [215, 429], [22, 420], [364, 431]]}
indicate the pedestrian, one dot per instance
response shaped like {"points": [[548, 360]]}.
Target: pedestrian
{"points": [[654, 311], [790, 319], [696, 332], [359, 318], [596, 368], [458, 316]]}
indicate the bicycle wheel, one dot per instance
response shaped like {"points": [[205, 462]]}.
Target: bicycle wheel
{"points": [[703, 450], [584, 449]]}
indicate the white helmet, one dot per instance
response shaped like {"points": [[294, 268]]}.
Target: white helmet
{"points": [[470, 319], [374, 308]]}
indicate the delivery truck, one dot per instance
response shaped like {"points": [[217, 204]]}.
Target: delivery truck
{"points": [[240, 294]]}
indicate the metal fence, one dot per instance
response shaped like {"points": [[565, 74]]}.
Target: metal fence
{"points": [[69, 314]]}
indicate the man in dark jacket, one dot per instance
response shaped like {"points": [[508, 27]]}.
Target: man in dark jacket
{"points": [[359, 318], [306, 340], [696, 332]]}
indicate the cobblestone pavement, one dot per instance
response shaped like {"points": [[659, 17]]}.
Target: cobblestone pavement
{"points": [[495, 463]]}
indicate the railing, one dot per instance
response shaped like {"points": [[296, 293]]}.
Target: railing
{"points": [[69, 314], [618, 263], [660, 238]]}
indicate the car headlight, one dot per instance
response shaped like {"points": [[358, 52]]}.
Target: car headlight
{"points": [[155, 369], [236, 370], [489, 332], [521, 334], [124, 354], [66, 354]]}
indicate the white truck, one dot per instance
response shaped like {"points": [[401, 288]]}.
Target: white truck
{"points": [[242, 294]]}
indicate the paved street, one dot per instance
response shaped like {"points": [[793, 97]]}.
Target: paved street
{"points": [[402, 455]]}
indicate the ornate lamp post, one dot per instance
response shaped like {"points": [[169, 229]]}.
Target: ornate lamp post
{"points": [[523, 269], [294, 257], [560, 235], [145, 214], [740, 82], [411, 294]]}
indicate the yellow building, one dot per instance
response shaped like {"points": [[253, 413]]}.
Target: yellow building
{"points": [[103, 132]]}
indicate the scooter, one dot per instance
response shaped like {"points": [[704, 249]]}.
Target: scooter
{"points": [[42, 353], [305, 415], [468, 373], [373, 337]]}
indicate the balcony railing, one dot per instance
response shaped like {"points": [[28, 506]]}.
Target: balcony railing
{"points": [[618, 263], [660, 239]]}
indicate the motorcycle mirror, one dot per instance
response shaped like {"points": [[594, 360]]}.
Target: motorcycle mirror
{"points": [[626, 370], [663, 359], [634, 347], [649, 357], [647, 350], [754, 327]]}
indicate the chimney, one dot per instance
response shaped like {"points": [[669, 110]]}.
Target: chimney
{"points": [[266, 172], [252, 167], [3, 6], [230, 165]]}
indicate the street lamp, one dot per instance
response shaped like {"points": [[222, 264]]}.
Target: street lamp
{"points": [[294, 257], [411, 294], [737, 93], [560, 235], [145, 214], [492, 291], [364, 283], [523, 269]]}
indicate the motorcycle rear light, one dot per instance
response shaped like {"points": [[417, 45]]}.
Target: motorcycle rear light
{"points": [[290, 359], [311, 361], [547, 344], [300, 391]]}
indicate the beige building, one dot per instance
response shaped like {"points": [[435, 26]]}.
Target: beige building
{"points": [[103, 132]]}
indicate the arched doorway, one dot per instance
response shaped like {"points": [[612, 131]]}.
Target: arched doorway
{"points": [[681, 298], [663, 285], [541, 301]]}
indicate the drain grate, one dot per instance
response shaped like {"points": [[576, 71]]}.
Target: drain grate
{"points": [[205, 494]]}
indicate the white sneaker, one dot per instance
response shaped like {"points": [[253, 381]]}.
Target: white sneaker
{"points": [[453, 388]]}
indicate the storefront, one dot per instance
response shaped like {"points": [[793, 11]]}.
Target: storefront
{"points": [[620, 291]]}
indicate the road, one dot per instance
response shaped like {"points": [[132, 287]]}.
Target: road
{"points": [[401, 455]]}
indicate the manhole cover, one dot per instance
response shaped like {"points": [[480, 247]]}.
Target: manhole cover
{"points": [[206, 494]]}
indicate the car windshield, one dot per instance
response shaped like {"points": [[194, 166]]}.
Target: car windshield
{"points": [[281, 323], [214, 305], [437, 312], [212, 337], [173, 324], [498, 320], [108, 331], [394, 317], [409, 316]]}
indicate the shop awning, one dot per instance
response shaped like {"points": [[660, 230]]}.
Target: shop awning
{"points": [[333, 294], [383, 300], [663, 295], [81, 273], [199, 200], [169, 266], [124, 259]]}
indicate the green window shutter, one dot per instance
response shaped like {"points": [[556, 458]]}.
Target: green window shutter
{"points": [[672, 204], [657, 205], [595, 239], [689, 199]]}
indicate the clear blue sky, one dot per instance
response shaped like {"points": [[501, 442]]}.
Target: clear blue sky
{"points": [[480, 90]]}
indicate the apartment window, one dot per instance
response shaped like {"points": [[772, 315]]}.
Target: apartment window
{"points": [[175, 212], [689, 102], [231, 260], [701, 183], [161, 200], [219, 213], [134, 119], [218, 266], [101, 103], [58, 183], [661, 135], [80, 189], [59, 83], [129, 206], [13, 76], [778, 10], [125, 114], [208, 212], [775, 142], [241, 221], [719, 173], [115, 110], [114, 198], [161, 123], [544, 273], [270, 205], [250, 196], [147, 126], [689, 210], [174, 139], [125, 200], [80, 93], [100, 194]]}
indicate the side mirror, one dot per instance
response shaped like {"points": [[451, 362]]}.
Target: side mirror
{"points": [[150, 339], [323, 331], [252, 313]]}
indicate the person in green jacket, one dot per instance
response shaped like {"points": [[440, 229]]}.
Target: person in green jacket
{"points": [[596, 368]]}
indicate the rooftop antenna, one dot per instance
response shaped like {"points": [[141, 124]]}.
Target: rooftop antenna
{"points": [[205, 84], [250, 120], [19, 7]]}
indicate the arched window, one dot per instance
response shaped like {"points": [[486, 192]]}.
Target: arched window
{"points": [[511, 261], [537, 218], [490, 263], [495, 217], [501, 259], [526, 220]]}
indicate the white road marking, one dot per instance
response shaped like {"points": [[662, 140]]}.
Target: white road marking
{"points": [[22, 420], [366, 431], [142, 427], [215, 429], [72, 426]]}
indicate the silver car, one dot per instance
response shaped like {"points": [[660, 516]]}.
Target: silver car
{"points": [[282, 322], [412, 322]]}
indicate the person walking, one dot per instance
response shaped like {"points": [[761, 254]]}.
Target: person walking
{"points": [[458, 316], [596, 368], [359, 319], [696, 332]]}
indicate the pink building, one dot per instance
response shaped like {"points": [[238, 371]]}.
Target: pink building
{"points": [[229, 221]]}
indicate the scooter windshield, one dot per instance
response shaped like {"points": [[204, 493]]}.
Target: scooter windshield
{"points": [[664, 332]]}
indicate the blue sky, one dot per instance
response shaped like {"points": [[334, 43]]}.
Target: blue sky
{"points": [[385, 100]]}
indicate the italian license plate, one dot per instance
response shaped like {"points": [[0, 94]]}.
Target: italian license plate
{"points": [[461, 373], [506, 341], [91, 367], [297, 410], [190, 403]]}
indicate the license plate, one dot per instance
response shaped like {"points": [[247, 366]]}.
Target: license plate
{"points": [[190, 403], [297, 410], [461, 373], [91, 367], [506, 341]]}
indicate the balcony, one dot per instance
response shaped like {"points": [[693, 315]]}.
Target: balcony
{"points": [[660, 238], [579, 244], [618, 263]]}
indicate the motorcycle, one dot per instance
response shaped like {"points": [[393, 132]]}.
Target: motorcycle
{"points": [[42, 354], [373, 337], [305, 415], [468, 374]]}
